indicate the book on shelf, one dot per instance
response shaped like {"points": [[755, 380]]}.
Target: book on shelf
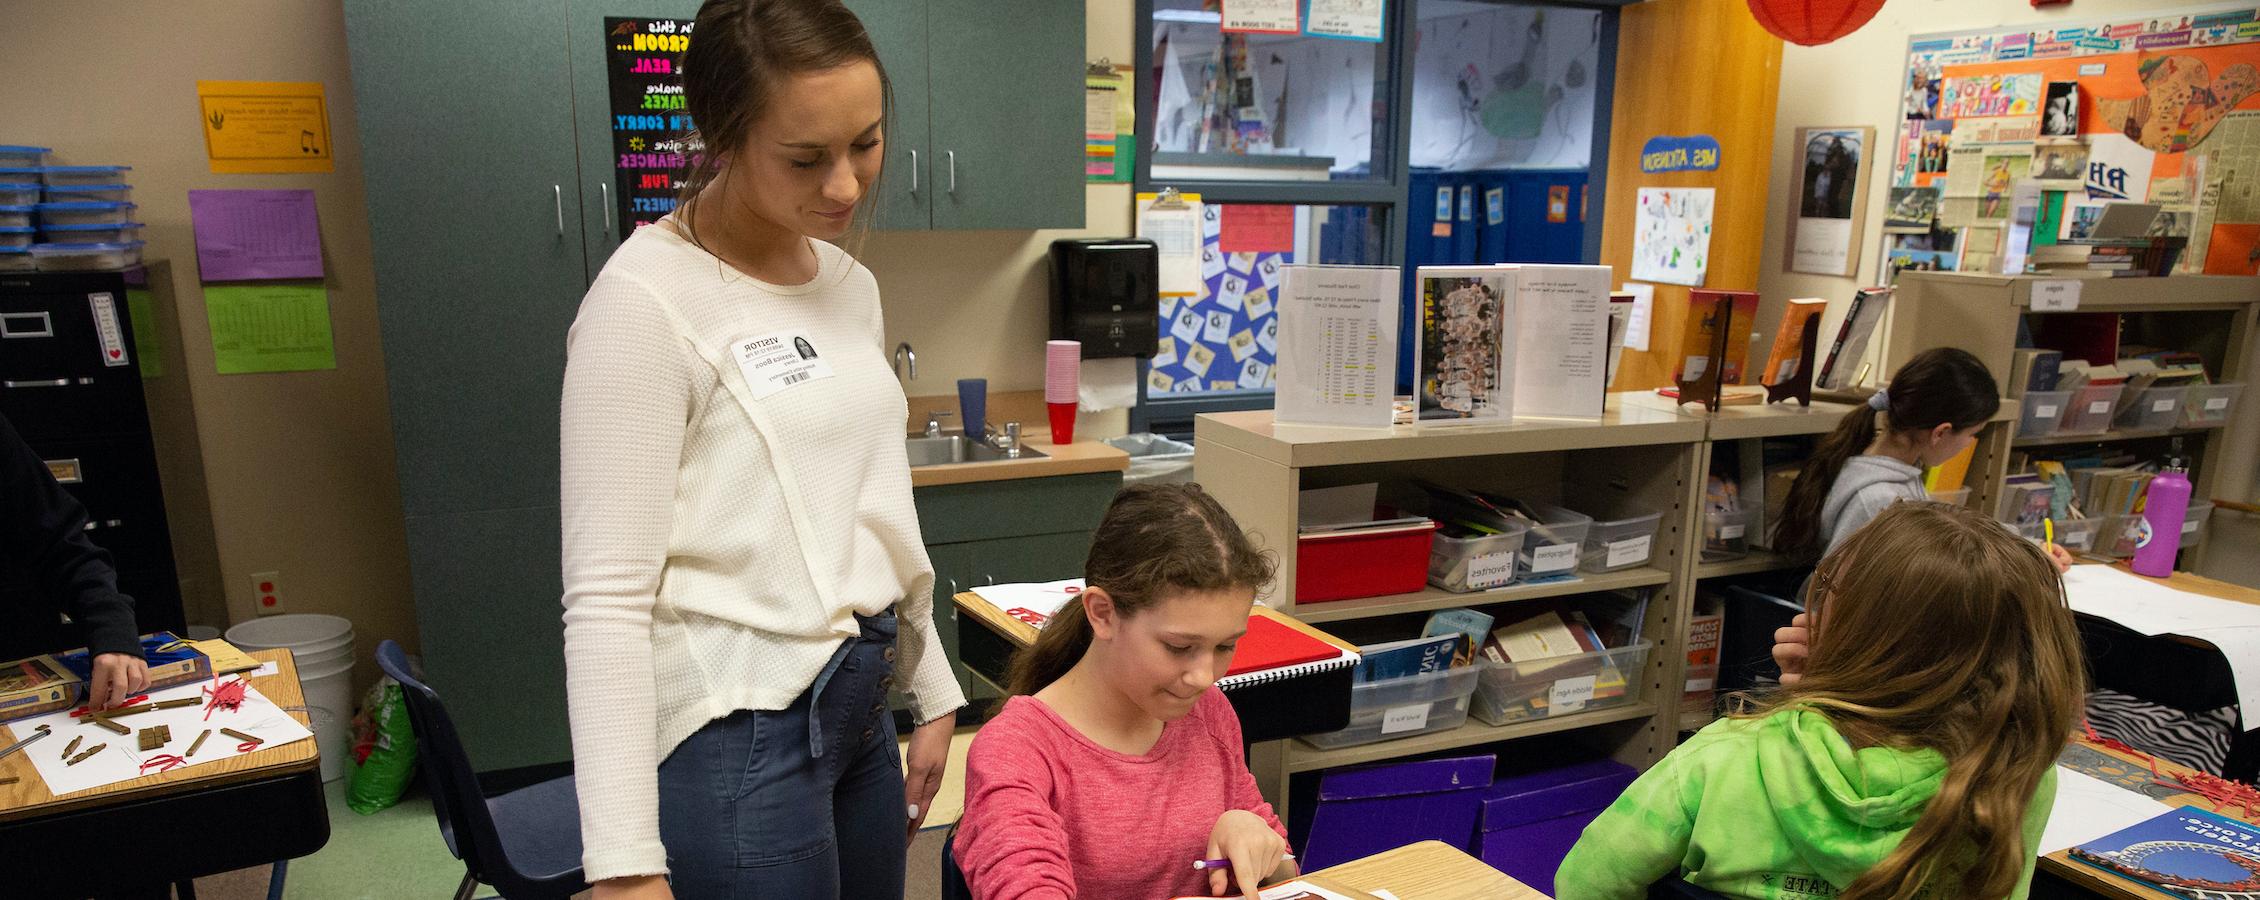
{"points": [[1474, 625], [1729, 395], [2033, 369], [2185, 852], [1701, 335], [1841, 368], [1949, 475], [1542, 645], [1409, 657], [1789, 340], [1704, 630]]}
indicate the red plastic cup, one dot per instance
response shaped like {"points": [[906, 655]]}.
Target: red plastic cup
{"points": [[1063, 422]]}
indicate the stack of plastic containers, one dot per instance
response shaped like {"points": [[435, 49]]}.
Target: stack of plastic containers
{"points": [[84, 215], [19, 198]]}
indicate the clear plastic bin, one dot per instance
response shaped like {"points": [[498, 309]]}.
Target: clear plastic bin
{"points": [[1613, 544], [16, 216], [1404, 707], [2154, 409], [118, 233], [2092, 409], [2043, 413], [16, 236], [67, 176], [89, 191], [1726, 534], [1476, 563], [2115, 536], [18, 194], [19, 156], [1955, 497], [2078, 535], [16, 259], [1552, 547], [85, 212], [2209, 405], [85, 257], [2193, 522], [1560, 686]]}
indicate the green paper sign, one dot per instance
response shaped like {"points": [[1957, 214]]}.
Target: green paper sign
{"points": [[274, 327]]}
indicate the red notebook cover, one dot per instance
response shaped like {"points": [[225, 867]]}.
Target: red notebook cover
{"points": [[1271, 645]]}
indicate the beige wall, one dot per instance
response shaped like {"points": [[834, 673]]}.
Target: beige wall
{"points": [[299, 465]]}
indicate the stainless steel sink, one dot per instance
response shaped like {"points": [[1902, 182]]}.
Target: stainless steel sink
{"points": [[955, 448]]}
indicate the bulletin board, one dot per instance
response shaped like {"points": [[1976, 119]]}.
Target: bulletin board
{"points": [[2163, 108], [1227, 339]]}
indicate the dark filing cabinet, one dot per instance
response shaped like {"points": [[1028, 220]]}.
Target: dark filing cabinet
{"points": [[70, 385]]}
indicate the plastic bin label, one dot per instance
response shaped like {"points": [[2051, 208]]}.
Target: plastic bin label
{"points": [[2055, 296], [2214, 403], [1731, 532], [2044, 411], [1553, 558], [2161, 406], [1569, 695], [1490, 570], [1400, 719], [2099, 408], [1629, 551], [2189, 526]]}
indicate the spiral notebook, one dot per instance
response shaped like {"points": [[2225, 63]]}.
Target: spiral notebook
{"points": [[1272, 651]]}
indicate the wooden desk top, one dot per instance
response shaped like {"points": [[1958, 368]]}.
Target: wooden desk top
{"points": [[28, 797], [2094, 880], [1429, 870], [1022, 634]]}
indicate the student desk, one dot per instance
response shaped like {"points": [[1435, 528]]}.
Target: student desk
{"points": [[1270, 711], [139, 835], [1428, 870], [2059, 876], [2172, 670]]}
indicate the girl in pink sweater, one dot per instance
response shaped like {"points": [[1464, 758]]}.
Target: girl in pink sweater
{"points": [[1117, 762]]}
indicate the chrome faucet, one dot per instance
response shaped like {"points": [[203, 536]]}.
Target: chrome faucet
{"points": [[934, 421], [1006, 441], [904, 353]]}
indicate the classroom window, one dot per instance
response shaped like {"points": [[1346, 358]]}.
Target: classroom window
{"points": [[1232, 106]]}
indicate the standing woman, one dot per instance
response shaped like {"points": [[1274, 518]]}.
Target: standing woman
{"points": [[738, 529]]}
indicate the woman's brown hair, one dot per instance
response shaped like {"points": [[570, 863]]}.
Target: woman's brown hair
{"points": [[1155, 541], [1939, 385], [741, 52], [1935, 627]]}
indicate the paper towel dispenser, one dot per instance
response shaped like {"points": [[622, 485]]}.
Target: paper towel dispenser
{"points": [[1106, 294]]}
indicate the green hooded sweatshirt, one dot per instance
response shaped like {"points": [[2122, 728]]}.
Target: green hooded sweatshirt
{"points": [[1780, 808]]}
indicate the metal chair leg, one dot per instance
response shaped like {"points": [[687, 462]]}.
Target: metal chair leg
{"points": [[468, 888], [275, 879]]}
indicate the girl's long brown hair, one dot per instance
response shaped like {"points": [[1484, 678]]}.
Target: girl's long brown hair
{"points": [[1942, 384], [1155, 540], [1935, 627]]}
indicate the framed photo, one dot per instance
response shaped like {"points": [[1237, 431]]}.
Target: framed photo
{"points": [[1830, 200]]}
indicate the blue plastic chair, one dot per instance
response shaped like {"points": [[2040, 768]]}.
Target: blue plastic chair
{"points": [[526, 843]]}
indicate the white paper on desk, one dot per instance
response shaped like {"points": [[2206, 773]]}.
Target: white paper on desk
{"points": [[1299, 890], [2154, 609], [121, 760], [2088, 808], [1561, 362], [1043, 599]]}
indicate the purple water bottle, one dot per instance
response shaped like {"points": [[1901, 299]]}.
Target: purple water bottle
{"points": [[2166, 502]]}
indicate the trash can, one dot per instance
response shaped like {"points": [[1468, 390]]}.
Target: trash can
{"points": [[1154, 459]]}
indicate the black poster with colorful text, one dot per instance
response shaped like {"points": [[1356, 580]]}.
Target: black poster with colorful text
{"points": [[643, 62]]}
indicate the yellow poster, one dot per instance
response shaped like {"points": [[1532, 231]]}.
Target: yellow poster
{"points": [[265, 126]]}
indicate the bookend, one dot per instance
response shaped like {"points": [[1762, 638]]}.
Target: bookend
{"points": [[1707, 388], [1799, 385]]}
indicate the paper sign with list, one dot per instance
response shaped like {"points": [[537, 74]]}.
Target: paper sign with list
{"points": [[1337, 345], [1561, 341]]}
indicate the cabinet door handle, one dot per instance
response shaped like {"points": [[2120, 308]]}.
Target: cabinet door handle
{"points": [[558, 192], [914, 171], [952, 156], [605, 192], [57, 382]]}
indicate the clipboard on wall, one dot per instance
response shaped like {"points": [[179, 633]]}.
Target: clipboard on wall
{"points": [[1172, 220]]}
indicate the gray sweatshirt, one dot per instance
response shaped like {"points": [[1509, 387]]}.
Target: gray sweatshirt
{"points": [[1867, 485]]}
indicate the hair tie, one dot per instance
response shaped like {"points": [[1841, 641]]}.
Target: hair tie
{"points": [[1881, 400]]}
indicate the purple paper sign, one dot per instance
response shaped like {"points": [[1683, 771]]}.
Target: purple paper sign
{"points": [[256, 235]]}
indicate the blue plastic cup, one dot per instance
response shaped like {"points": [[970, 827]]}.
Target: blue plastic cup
{"points": [[973, 405]]}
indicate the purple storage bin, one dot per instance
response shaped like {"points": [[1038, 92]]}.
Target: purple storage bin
{"points": [[1366, 810], [1531, 821]]}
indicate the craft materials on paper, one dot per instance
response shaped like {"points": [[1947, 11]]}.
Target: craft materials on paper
{"points": [[1337, 345], [648, 123], [252, 235], [1672, 235], [1466, 321], [119, 759], [1033, 603]]}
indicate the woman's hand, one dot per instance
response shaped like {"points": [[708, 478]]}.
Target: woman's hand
{"points": [[1254, 849], [2058, 555], [1790, 646], [927, 757], [116, 676], [637, 887]]}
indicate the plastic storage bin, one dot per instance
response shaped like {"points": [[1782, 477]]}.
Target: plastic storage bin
{"points": [[85, 212], [1561, 686], [2208, 405], [85, 257], [1726, 533], [1955, 497], [1476, 563], [2154, 409], [89, 191], [1554, 542], [1348, 565], [14, 193], [16, 259], [2043, 413], [19, 156], [2115, 536], [2092, 409], [2078, 535], [1154, 459], [2193, 522], [1619, 543], [16, 236], [1404, 707], [69, 176], [118, 233], [16, 215]]}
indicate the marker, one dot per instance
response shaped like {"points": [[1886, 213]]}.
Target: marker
{"points": [[1204, 864], [2048, 530]]}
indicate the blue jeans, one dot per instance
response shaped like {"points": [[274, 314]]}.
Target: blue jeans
{"points": [[805, 802]]}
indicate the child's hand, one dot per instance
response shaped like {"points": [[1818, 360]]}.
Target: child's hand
{"points": [[116, 676], [1790, 646], [1254, 849], [2060, 556]]}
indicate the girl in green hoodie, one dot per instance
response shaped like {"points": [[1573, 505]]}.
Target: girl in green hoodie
{"points": [[1914, 759]]}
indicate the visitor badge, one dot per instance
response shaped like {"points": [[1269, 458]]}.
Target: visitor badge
{"points": [[774, 362]]}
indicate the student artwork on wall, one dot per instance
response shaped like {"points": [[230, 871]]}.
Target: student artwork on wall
{"points": [[1671, 237], [1830, 200], [1506, 87], [2160, 106], [1227, 337], [648, 119]]}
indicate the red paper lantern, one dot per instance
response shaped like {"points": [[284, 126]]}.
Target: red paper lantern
{"points": [[1813, 22]]}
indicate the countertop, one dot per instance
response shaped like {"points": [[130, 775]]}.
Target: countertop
{"points": [[1081, 457]]}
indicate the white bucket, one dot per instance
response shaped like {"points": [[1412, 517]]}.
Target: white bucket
{"points": [[322, 648]]}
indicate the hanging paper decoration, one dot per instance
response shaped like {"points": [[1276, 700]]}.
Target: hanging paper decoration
{"points": [[1813, 22]]}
